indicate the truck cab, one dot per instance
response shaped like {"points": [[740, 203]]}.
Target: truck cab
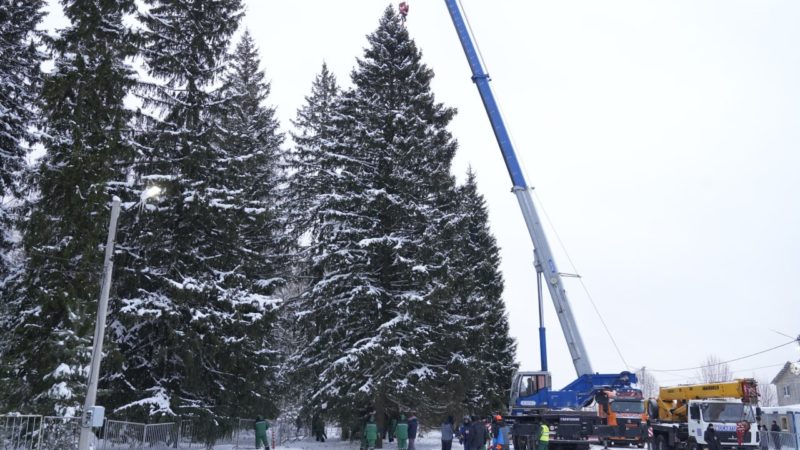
{"points": [[725, 416], [623, 411], [527, 389]]}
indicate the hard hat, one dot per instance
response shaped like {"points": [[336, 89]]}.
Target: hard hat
{"points": [[498, 418]]}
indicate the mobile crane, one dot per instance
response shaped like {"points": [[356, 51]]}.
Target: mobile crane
{"points": [[532, 396], [681, 414]]}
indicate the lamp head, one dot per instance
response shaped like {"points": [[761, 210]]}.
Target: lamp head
{"points": [[152, 192]]}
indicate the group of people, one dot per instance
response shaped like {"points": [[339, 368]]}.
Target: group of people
{"points": [[487, 434], [403, 429], [772, 435]]}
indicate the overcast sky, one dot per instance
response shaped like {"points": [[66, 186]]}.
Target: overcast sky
{"points": [[661, 137]]}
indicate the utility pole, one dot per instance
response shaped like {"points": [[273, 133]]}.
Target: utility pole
{"points": [[99, 330]]}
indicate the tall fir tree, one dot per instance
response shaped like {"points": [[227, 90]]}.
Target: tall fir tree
{"points": [[375, 306], [88, 153], [252, 175], [314, 130], [20, 86], [477, 288], [313, 176], [196, 303]]}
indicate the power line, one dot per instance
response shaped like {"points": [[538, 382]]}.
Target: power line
{"points": [[728, 361]]}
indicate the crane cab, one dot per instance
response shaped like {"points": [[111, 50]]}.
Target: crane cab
{"points": [[524, 389]]}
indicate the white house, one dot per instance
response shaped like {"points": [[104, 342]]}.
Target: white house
{"points": [[787, 382]]}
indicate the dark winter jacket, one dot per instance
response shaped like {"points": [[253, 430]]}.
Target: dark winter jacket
{"points": [[477, 435], [412, 427], [712, 440], [463, 434]]}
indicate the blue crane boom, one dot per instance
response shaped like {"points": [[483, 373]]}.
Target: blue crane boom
{"points": [[543, 256]]}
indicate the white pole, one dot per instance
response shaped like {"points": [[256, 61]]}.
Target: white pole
{"points": [[100, 326]]}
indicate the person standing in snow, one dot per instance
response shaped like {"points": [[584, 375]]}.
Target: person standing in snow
{"points": [[544, 436], [392, 424], [318, 428], [371, 433], [262, 438], [477, 434], [499, 434], [401, 433], [463, 433], [413, 424], [447, 434], [711, 438], [775, 434]]}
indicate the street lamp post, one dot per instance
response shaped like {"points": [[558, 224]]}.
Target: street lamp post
{"points": [[99, 329], [90, 417]]}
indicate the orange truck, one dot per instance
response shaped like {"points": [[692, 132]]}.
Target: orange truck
{"points": [[623, 413]]}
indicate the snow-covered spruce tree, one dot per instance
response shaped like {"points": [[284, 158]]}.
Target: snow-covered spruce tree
{"points": [[374, 311], [195, 285], [251, 174], [19, 88], [313, 133], [313, 164], [88, 152], [477, 287]]}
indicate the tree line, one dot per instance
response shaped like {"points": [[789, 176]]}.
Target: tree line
{"points": [[334, 270]]}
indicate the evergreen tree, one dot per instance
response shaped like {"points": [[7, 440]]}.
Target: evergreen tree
{"points": [[374, 310], [314, 132], [87, 155], [477, 286], [196, 297], [20, 84], [314, 175], [252, 175]]}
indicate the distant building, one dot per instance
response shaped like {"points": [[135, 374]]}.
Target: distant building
{"points": [[787, 382]]}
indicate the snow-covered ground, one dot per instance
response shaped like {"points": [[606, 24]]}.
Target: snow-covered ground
{"points": [[429, 441]]}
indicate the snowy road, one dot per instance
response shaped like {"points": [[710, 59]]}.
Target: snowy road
{"points": [[430, 441]]}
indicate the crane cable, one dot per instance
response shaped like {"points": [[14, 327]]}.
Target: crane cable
{"points": [[474, 41], [580, 279]]}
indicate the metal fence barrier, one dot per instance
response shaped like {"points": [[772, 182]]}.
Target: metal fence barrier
{"points": [[119, 435], [245, 434], [161, 436], [773, 440], [24, 432], [20, 432], [28, 432], [59, 433]]}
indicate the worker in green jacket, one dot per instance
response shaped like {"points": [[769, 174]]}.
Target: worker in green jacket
{"points": [[401, 433], [371, 433], [261, 426]]}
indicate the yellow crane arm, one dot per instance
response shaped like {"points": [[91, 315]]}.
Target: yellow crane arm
{"points": [[745, 389]]}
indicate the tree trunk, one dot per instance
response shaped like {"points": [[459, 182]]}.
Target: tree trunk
{"points": [[380, 418]]}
